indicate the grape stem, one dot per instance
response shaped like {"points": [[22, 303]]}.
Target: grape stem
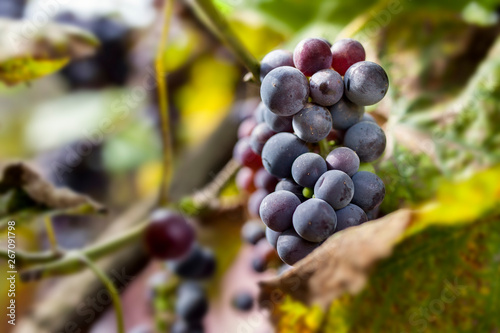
{"points": [[163, 107], [214, 20], [49, 227], [115, 295], [209, 193], [324, 148]]}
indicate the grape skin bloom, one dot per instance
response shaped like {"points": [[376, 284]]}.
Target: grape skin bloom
{"points": [[367, 139], [314, 220], [335, 187], [366, 83], [292, 248], [285, 91], [279, 153], [327, 87], [276, 210], [313, 123], [307, 168]]}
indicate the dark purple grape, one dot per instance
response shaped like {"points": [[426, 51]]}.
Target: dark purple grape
{"points": [[243, 301], [280, 151], [259, 113], [335, 187], [345, 114], [276, 210], [260, 134], [272, 236], [246, 108], [277, 123], [245, 180], [259, 264], [246, 127], [368, 117], [253, 231], [291, 186], [285, 91], [312, 55], [292, 248], [327, 87], [314, 220], [372, 214], [198, 264], [307, 168], [192, 303], [181, 326], [14, 9], [263, 253], [255, 200], [110, 63], [350, 216], [367, 139], [366, 83], [168, 236], [244, 154], [275, 59], [265, 180], [343, 159], [369, 190], [109, 30], [346, 52], [83, 73], [313, 123]]}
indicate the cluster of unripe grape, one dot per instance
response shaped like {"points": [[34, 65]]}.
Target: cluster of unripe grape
{"points": [[318, 93]]}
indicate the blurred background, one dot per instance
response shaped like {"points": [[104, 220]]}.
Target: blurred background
{"points": [[92, 125]]}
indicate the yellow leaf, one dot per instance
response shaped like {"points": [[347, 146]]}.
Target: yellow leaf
{"points": [[206, 97], [28, 52], [463, 202], [18, 70]]}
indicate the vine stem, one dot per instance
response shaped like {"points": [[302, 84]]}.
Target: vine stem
{"points": [[208, 194], [51, 265], [51, 233], [206, 10], [115, 295], [163, 104]]}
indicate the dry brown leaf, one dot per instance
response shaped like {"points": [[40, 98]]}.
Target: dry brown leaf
{"points": [[21, 176], [340, 265], [20, 39], [29, 50]]}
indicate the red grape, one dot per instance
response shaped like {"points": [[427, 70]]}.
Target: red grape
{"points": [[346, 52], [169, 235]]}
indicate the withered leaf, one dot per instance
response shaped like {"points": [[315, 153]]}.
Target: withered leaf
{"points": [[29, 51], [339, 265], [20, 183]]}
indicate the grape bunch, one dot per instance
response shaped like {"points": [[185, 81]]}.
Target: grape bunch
{"points": [[110, 65], [169, 236], [302, 148]]}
